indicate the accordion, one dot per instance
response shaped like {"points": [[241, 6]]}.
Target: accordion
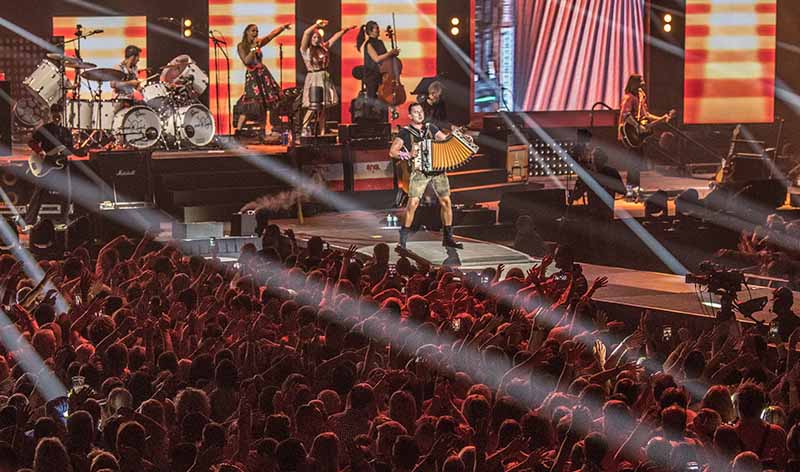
{"points": [[452, 153]]}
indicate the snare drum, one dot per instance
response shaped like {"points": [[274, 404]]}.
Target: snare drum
{"points": [[138, 127], [155, 95], [46, 83]]}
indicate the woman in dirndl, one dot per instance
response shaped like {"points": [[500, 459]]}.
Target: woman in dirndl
{"points": [[260, 88], [316, 55]]}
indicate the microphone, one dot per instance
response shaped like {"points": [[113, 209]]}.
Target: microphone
{"points": [[78, 30], [96, 31], [216, 39]]}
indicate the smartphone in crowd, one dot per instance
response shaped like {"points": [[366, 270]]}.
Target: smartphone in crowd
{"points": [[392, 270], [666, 334]]}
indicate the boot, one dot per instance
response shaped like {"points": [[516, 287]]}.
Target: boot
{"points": [[447, 238], [404, 234]]}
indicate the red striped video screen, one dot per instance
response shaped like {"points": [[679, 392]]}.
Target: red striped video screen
{"points": [[231, 17], [555, 55], [106, 49], [730, 61], [416, 37]]}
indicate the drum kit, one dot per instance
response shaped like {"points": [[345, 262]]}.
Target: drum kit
{"points": [[165, 113]]}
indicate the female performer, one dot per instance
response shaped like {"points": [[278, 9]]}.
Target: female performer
{"points": [[374, 53], [260, 88], [316, 55]]}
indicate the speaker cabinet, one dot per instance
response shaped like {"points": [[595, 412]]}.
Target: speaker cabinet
{"points": [[517, 158], [126, 175]]}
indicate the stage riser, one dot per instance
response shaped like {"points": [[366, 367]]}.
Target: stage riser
{"points": [[488, 194], [484, 177], [240, 195], [220, 179], [212, 163]]}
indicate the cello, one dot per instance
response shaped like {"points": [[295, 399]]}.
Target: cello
{"points": [[390, 90]]}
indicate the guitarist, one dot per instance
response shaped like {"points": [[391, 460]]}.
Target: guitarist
{"points": [[406, 147], [634, 104], [51, 144]]}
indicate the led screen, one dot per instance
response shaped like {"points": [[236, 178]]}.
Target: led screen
{"points": [[555, 55]]}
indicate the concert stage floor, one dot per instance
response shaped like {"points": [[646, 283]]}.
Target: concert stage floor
{"points": [[629, 291]]}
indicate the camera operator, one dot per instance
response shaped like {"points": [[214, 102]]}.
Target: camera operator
{"points": [[786, 319]]}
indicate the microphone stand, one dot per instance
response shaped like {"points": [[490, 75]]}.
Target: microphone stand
{"points": [[219, 48]]}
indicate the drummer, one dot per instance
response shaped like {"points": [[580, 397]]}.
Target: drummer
{"points": [[126, 89]]}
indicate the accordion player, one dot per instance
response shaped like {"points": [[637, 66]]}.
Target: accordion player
{"points": [[427, 154]]}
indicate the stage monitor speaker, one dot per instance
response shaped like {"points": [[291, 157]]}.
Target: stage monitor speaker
{"points": [[547, 204], [517, 158], [16, 187], [126, 177], [5, 118]]}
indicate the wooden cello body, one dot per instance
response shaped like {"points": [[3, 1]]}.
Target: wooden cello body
{"points": [[391, 91]]}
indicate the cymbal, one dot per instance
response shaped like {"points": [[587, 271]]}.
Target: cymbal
{"points": [[61, 57], [80, 65], [103, 74]]}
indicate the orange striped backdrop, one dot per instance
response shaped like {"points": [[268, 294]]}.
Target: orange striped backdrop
{"points": [[730, 61], [231, 17], [106, 49], [416, 36]]}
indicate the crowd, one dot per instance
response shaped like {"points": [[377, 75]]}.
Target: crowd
{"points": [[312, 359]]}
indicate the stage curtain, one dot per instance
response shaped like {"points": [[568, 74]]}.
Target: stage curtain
{"points": [[573, 53]]}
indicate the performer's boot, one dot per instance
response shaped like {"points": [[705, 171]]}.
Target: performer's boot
{"points": [[404, 234], [447, 238]]}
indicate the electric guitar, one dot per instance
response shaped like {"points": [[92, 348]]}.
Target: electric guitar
{"points": [[634, 132], [40, 164]]}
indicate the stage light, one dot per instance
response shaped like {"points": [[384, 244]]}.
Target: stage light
{"points": [[321, 32], [455, 21], [668, 27], [187, 33], [454, 31], [667, 18], [187, 22]]}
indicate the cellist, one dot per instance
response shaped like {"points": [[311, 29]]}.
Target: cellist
{"points": [[375, 52]]}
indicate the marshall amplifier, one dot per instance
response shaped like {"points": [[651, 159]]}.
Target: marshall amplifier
{"points": [[126, 178]]}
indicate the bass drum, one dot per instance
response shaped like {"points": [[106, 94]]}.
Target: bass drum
{"points": [[191, 125], [138, 127]]}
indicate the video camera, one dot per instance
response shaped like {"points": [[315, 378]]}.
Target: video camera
{"points": [[718, 279]]}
